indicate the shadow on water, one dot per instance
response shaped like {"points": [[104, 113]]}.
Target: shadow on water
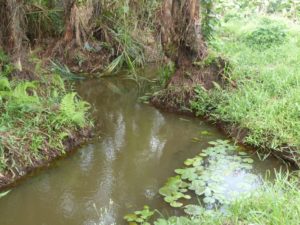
{"points": [[118, 173]]}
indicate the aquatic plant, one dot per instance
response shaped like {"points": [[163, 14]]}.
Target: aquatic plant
{"points": [[140, 217], [174, 190], [205, 175]]}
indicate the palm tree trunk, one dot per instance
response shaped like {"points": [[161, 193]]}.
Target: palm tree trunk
{"points": [[181, 36], [77, 21], [12, 29]]}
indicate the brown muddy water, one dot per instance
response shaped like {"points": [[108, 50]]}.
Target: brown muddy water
{"points": [[119, 172]]}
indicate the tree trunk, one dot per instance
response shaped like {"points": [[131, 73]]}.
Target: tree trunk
{"points": [[181, 36], [77, 24], [12, 29]]}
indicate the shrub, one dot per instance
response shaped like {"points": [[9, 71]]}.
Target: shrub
{"points": [[266, 37]]}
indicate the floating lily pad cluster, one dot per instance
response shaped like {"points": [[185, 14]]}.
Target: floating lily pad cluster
{"points": [[140, 217], [217, 175], [174, 190]]}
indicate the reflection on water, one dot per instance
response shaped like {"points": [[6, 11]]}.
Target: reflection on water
{"points": [[138, 150]]}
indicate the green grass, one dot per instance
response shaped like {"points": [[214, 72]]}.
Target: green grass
{"points": [[266, 101], [274, 204], [36, 118]]}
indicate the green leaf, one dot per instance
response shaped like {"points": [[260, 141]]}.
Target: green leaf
{"points": [[248, 160], [205, 132], [198, 186], [193, 210], [4, 193], [176, 204], [209, 200], [130, 217], [187, 173]]}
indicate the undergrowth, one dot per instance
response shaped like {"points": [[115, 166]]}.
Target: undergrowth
{"points": [[36, 118]]}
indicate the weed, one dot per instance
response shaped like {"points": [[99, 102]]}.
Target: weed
{"points": [[266, 37], [165, 72]]}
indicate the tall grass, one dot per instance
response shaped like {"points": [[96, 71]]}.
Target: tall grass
{"points": [[266, 100], [130, 25]]}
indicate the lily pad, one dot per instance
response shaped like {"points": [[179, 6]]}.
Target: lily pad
{"points": [[139, 217], [187, 173], [209, 200], [194, 210], [176, 204], [198, 186], [206, 174]]}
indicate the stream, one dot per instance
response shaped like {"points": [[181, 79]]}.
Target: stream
{"points": [[136, 149]]}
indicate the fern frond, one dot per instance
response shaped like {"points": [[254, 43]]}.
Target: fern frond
{"points": [[5, 88], [73, 110], [4, 84], [20, 98]]}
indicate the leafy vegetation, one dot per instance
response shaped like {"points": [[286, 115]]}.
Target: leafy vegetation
{"points": [[266, 36], [36, 118]]}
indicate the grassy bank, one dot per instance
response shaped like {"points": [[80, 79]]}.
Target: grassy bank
{"points": [[264, 101], [40, 120]]}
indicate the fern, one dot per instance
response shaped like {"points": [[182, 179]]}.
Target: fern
{"points": [[5, 88], [4, 84], [20, 98], [73, 110]]}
